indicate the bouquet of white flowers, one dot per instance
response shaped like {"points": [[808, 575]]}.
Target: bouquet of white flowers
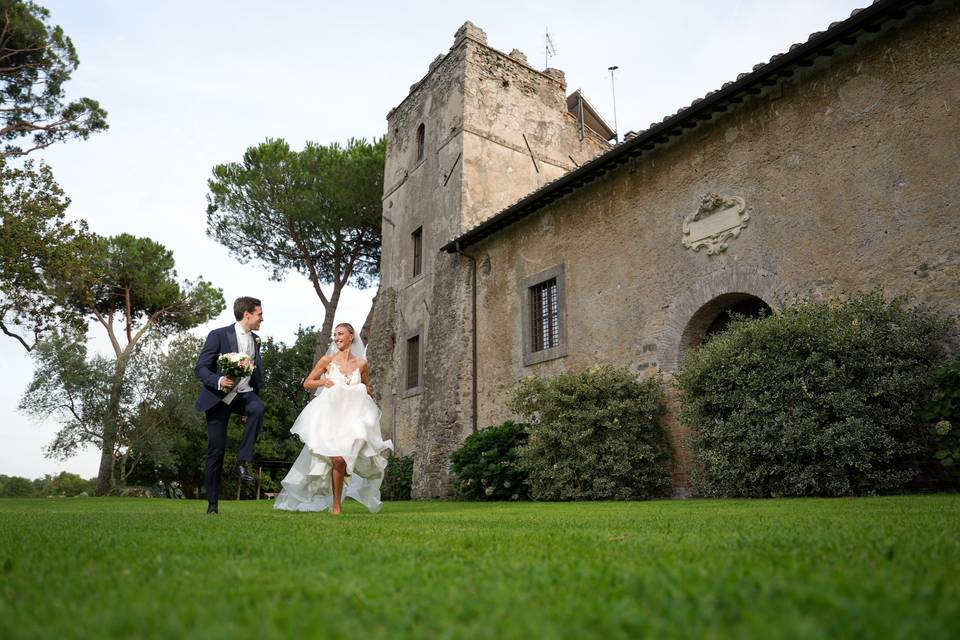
{"points": [[235, 365]]}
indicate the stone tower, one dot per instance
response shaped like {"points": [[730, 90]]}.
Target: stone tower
{"points": [[478, 132]]}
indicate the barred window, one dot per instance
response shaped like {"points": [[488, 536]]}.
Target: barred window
{"points": [[421, 135], [542, 303], [413, 362], [417, 251], [545, 315]]}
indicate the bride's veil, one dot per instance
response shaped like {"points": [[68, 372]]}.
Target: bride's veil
{"points": [[357, 349]]}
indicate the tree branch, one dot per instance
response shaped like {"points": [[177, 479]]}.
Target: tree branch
{"points": [[90, 434], [156, 315], [109, 328], [19, 339], [354, 255], [311, 264], [127, 313]]}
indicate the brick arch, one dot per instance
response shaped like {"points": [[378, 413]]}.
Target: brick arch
{"points": [[701, 303]]}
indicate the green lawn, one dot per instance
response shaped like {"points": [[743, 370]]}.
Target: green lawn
{"points": [[850, 568]]}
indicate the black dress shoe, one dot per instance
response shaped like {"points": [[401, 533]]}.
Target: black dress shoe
{"points": [[212, 510], [244, 475]]}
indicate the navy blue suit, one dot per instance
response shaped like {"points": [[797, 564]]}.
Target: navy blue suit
{"points": [[249, 405]]}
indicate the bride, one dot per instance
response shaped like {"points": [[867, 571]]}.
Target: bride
{"points": [[340, 428]]}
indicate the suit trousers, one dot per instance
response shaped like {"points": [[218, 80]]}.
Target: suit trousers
{"points": [[248, 405]]}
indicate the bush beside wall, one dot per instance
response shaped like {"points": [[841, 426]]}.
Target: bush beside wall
{"points": [[821, 399], [943, 419], [595, 435], [488, 467], [397, 479]]}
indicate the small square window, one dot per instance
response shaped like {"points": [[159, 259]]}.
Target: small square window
{"points": [[417, 237]]}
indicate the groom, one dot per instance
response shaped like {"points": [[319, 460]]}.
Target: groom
{"points": [[221, 396]]}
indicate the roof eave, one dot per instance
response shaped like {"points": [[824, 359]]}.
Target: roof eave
{"points": [[780, 66]]}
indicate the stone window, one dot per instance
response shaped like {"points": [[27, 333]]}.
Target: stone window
{"points": [[417, 237], [412, 382], [544, 315], [543, 320], [421, 136]]}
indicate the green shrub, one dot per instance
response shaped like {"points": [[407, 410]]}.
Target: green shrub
{"points": [[594, 435], [16, 487], [397, 479], [66, 484], [488, 464], [943, 417], [821, 399]]}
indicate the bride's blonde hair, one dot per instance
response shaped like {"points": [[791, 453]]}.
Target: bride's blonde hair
{"points": [[348, 326]]}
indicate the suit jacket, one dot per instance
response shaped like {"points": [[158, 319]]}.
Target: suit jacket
{"points": [[220, 341]]}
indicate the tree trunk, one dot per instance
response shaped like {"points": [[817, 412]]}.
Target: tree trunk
{"points": [[326, 331], [105, 475], [111, 427], [123, 472]]}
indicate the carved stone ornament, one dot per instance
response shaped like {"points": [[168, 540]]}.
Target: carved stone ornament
{"points": [[718, 220]]}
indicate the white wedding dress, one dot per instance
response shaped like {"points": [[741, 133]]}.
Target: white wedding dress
{"points": [[343, 420]]}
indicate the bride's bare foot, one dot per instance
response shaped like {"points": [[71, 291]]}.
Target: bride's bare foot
{"points": [[335, 511]]}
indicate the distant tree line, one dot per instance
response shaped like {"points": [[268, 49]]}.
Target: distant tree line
{"points": [[64, 484]]}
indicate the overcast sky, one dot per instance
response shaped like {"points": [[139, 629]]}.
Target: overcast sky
{"points": [[192, 84]]}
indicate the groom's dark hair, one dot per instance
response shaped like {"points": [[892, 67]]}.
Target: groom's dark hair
{"points": [[244, 303]]}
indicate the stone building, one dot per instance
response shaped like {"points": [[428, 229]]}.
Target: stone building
{"points": [[517, 242]]}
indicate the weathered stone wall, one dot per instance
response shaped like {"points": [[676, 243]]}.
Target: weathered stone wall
{"points": [[495, 130], [518, 133], [380, 349], [445, 405], [850, 179], [417, 193]]}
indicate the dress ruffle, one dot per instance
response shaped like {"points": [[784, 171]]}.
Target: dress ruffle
{"points": [[343, 421]]}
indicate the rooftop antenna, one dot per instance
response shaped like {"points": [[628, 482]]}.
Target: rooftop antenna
{"points": [[548, 50], [613, 88]]}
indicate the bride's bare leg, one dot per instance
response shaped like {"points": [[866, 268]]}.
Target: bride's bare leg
{"points": [[339, 470]]}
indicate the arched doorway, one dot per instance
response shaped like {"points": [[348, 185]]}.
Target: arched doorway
{"points": [[692, 312], [716, 315]]}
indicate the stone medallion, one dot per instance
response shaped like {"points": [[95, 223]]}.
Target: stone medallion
{"points": [[718, 220]]}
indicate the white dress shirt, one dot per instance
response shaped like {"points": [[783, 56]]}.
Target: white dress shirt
{"points": [[244, 345]]}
